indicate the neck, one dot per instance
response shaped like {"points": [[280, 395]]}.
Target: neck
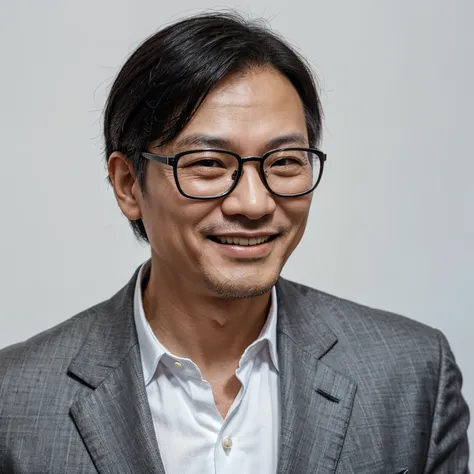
{"points": [[210, 330]]}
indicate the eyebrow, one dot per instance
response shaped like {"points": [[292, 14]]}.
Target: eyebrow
{"points": [[211, 141]]}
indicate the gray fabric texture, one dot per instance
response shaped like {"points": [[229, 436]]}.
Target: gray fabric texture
{"points": [[362, 391]]}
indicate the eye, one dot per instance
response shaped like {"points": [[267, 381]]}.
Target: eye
{"points": [[205, 163], [208, 160], [208, 163], [288, 160]]}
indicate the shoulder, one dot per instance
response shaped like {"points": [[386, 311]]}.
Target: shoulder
{"points": [[50, 350], [364, 332], [342, 312]]}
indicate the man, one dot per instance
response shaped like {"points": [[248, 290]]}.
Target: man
{"points": [[208, 361]]}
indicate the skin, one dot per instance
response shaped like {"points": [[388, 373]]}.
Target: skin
{"points": [[202, 303]]}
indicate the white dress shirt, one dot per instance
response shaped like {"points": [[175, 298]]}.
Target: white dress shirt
{"points": [[192, 436]]}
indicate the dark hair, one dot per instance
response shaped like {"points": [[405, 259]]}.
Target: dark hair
{"points": [[165, 80]]}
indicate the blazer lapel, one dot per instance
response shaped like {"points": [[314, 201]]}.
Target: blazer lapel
{"points": [[316, 401], [114, 420]]}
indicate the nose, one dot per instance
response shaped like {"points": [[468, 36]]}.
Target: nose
{"points": [[250, 198]]}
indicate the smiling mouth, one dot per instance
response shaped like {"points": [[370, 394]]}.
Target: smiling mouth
{"points": [[242, 241]]}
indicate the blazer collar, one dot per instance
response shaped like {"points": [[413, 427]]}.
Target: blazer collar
{"points": [[110, 339], [301, 318], [114, 420], [316, 400]]}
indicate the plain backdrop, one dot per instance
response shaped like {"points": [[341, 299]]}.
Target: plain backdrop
{"points": [[392, 224]]}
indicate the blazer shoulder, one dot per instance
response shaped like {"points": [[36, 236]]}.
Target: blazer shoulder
{"points": [[57, 345], [347, 318]]}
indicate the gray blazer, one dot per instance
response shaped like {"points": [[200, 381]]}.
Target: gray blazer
{"points": [[362, 391]]}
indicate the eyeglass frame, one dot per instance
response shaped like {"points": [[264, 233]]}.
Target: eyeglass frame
{"points": [[173, 160]]}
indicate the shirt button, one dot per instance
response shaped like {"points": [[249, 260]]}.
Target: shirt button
{"points": [[178, 364], [227, 443]]}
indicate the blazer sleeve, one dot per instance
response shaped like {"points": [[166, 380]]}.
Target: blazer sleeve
{"points": [[448, 449]]}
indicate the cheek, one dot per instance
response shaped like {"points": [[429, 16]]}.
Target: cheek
{"points": [[157, 206], [172, 220], [297, 212]]}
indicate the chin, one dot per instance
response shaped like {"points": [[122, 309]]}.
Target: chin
{"points": [[243, 287]]}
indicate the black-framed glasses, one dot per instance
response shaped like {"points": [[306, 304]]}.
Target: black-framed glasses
{"points": [[210, 173]]}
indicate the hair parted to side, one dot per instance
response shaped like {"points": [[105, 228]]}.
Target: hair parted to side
{"points": [[164, 81]]}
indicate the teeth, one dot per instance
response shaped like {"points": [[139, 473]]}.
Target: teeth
{"points": [[242, 241]]}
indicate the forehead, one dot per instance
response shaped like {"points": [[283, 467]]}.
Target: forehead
{"points": [[249, 109]]}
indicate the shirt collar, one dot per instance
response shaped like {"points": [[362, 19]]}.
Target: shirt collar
{"points": [[151, 350], [269, 330]]}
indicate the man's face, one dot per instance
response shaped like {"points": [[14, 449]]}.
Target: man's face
{"points": [[248, 113]]}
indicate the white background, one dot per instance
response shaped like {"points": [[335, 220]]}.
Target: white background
{"points": [[392, 223]]}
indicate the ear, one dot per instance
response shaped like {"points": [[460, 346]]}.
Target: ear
{"points": [[126, 187]]}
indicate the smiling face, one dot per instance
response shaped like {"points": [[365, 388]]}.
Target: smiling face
{"points": [[233, 246]]}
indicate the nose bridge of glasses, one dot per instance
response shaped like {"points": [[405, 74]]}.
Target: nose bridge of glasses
{"points": [[246, 159]]}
